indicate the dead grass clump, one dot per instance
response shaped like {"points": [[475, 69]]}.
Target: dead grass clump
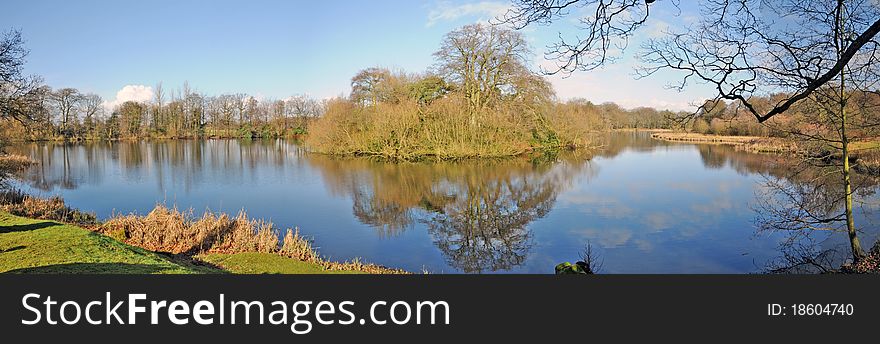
{"points": [[357, 265], [295, 246], [179, 232], [175, 231], [18, 203]]}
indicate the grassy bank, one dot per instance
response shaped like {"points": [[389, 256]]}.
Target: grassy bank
{"points": [[163, 241], [172, 231], [265, 263], [42, 246]]}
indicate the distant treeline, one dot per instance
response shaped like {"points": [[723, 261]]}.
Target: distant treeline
{"points": [[68, 114], [804, 119]]}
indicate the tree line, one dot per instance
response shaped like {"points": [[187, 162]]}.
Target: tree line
{"points": [[71, 115]]}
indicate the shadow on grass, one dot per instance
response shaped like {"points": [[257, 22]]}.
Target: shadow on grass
{"points": [[91, 268], [27, 227], [16, 248]]}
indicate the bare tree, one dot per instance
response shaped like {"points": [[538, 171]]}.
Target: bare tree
{"points": [[821, 52], [366, 86], [156, 122], [67, 102], [20, 95], [608, 28], [92, 106], [481, 60], [742, 36]]}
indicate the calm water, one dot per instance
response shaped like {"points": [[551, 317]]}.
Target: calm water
{"points": [[646, 206]]}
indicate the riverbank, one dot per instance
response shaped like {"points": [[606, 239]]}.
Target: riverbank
{"points": [[150, 244], [866, 153], [42, 246], [749, 143]]}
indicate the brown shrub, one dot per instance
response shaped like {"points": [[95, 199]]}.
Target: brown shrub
{"points": [[447, 128], [295, 246], [178, 232], [18, 203]]}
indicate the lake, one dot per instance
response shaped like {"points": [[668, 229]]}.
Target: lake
{"points": [[645, 206]]}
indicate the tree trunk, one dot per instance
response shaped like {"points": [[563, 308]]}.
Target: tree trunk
{"points": [[854, 243]]}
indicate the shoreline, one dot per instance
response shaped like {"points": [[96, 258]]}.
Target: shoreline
{"points": [[753, 144], [45, 236], [866, 154]]}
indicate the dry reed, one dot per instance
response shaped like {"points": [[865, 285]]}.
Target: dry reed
{"points": [[179, 232], [18, 203]]}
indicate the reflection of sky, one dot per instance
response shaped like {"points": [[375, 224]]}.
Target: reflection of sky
{"points": [[657, 211], [654, 210]]}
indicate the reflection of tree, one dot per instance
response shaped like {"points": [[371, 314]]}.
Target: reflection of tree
{"points": [[743, 162], [806, 199], [639, 141], [58, 166], [182, 162], [388, 217], [485, 229], [714, 156], [477, 212], [802, 197]]}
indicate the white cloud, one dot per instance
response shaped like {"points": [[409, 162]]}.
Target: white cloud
{"points": [[485, 10], [658, 29], [135, 93], [616, 83]]}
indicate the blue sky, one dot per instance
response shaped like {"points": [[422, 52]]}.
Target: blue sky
{"points": [[274, 49]]}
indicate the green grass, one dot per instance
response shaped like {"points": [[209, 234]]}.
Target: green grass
{"points": [[264, 263], [40, 246], [864, 145]]}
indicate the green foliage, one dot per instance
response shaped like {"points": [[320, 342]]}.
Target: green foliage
{"points": [[428, 89], [567, 268]]}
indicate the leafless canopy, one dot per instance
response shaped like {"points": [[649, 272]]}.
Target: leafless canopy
{"points": [[607, 26], [18, 93], [482, 61], [741, 47], [749, 48]]}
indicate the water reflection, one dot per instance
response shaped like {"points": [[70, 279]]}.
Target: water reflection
{"points": [[648, 205], [477, 213]]}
